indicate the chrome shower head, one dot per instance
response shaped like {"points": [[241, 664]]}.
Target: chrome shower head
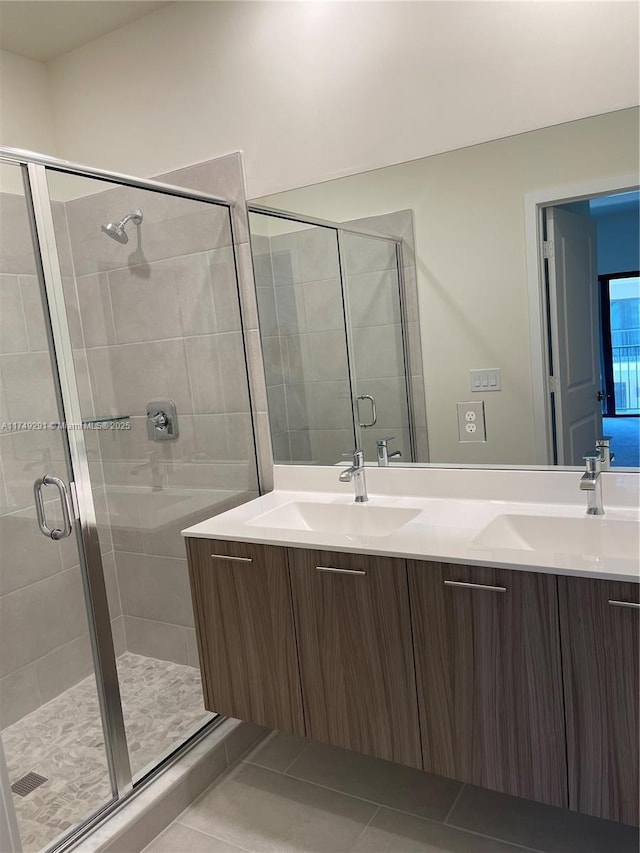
{"points": [[116, 231]]}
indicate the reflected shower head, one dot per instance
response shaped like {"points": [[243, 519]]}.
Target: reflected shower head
{"points": [[116, 231]]}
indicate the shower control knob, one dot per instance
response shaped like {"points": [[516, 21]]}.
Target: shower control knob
{"points": [[160, 420]]}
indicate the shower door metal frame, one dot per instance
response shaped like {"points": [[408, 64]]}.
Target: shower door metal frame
{"points": [[34, 168], [91, 568], [341, 230]]}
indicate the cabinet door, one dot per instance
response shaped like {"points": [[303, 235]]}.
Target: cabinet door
{"points": [[356, 659], [244, 626], [600, 657], [489, 682]]}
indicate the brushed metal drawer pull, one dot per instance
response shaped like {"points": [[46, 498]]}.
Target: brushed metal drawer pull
{"points": [[233, 559], [476, 586], [340, 571], [631, 604]]}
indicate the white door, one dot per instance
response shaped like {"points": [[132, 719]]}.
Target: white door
{"points": [[575, 334]]}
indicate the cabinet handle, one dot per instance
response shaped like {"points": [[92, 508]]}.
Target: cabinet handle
{"points": [[340, 571], [476, 586], [233, 559], [632, 604]]}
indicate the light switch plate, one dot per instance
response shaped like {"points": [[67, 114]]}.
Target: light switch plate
{"points": [[489, 379], [471, 423]]}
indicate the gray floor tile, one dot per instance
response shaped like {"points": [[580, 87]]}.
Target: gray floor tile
{"points": [[278, 751], [546, 828], [266, 812], [383, 782], [396, 832], [178, 838]]}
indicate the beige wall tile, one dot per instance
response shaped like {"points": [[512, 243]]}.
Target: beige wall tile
{"points": [[13, 330], [156, 639], [65, 666], [40, 617], [155, 588], [19, 695], [26, 556]]}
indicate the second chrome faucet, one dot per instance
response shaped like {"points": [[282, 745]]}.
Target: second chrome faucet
{"points": [[591, 484], [356, 473]]}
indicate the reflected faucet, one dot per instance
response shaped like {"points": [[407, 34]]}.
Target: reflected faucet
{"points": [[356, 473], [603, 446], [157, 475], [591, 484], [383, 451]]}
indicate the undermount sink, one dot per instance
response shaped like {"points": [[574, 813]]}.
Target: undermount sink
{"points": [[588, 536], [346, 519]]}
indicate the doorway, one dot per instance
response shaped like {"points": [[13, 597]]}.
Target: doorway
{"points": [[588, 245], [620, 325]]}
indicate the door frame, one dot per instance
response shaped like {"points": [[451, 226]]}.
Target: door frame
{"points": [[534, 204]]}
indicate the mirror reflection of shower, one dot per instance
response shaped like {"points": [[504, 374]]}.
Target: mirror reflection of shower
{"points": [[116, 231]]}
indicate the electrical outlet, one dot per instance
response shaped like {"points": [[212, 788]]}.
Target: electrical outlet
{"points": [[471, 422]]}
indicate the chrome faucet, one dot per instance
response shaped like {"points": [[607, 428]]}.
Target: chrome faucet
{"points": [[356, 473], [383, 451], [592, 485], [603, 446]]}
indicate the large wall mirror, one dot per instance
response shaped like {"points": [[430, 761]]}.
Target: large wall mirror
{"points": [[487, 299]]}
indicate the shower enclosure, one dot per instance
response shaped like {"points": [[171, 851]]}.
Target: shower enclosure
{"points": [[124, 417], [340, 339]]}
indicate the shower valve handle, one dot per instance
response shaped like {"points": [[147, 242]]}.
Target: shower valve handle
{"points": [[160, 420]]}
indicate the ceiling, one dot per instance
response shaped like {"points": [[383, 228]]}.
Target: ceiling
{"points": [[44, 29], [618, 203]]}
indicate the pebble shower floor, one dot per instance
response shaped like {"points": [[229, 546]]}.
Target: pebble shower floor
{"points": [[63, 742]]}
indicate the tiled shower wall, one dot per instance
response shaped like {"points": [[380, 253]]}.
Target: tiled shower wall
{"points": [[303, 329], [161, 321], [155, 319], [303, 338]]}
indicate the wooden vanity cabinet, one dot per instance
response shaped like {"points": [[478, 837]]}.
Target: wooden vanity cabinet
{"points": [[487, 652], [600, 649], [244, 626], [356, 657]]}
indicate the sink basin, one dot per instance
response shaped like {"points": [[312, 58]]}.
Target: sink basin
{"points": [[346, 519], [588, 536]]}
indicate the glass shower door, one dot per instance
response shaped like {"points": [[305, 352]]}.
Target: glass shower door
{"points": [[304, 339], [152, 301], [376, 337], [50, 709]]}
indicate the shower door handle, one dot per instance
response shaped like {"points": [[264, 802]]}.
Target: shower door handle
{"points": [[374, 416], [55, 533]]}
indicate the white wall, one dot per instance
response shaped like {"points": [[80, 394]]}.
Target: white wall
{"points": [[470, 258], [311, 91], [26, 117]]}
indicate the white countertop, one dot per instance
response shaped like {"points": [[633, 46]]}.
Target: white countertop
{"points": [[470, 530]]}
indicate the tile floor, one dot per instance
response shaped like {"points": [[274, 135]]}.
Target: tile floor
{"points": [[289, 796], [63, 741]]}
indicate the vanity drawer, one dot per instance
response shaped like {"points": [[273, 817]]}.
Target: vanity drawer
{"points": [[356, 657], [244, 627]]}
